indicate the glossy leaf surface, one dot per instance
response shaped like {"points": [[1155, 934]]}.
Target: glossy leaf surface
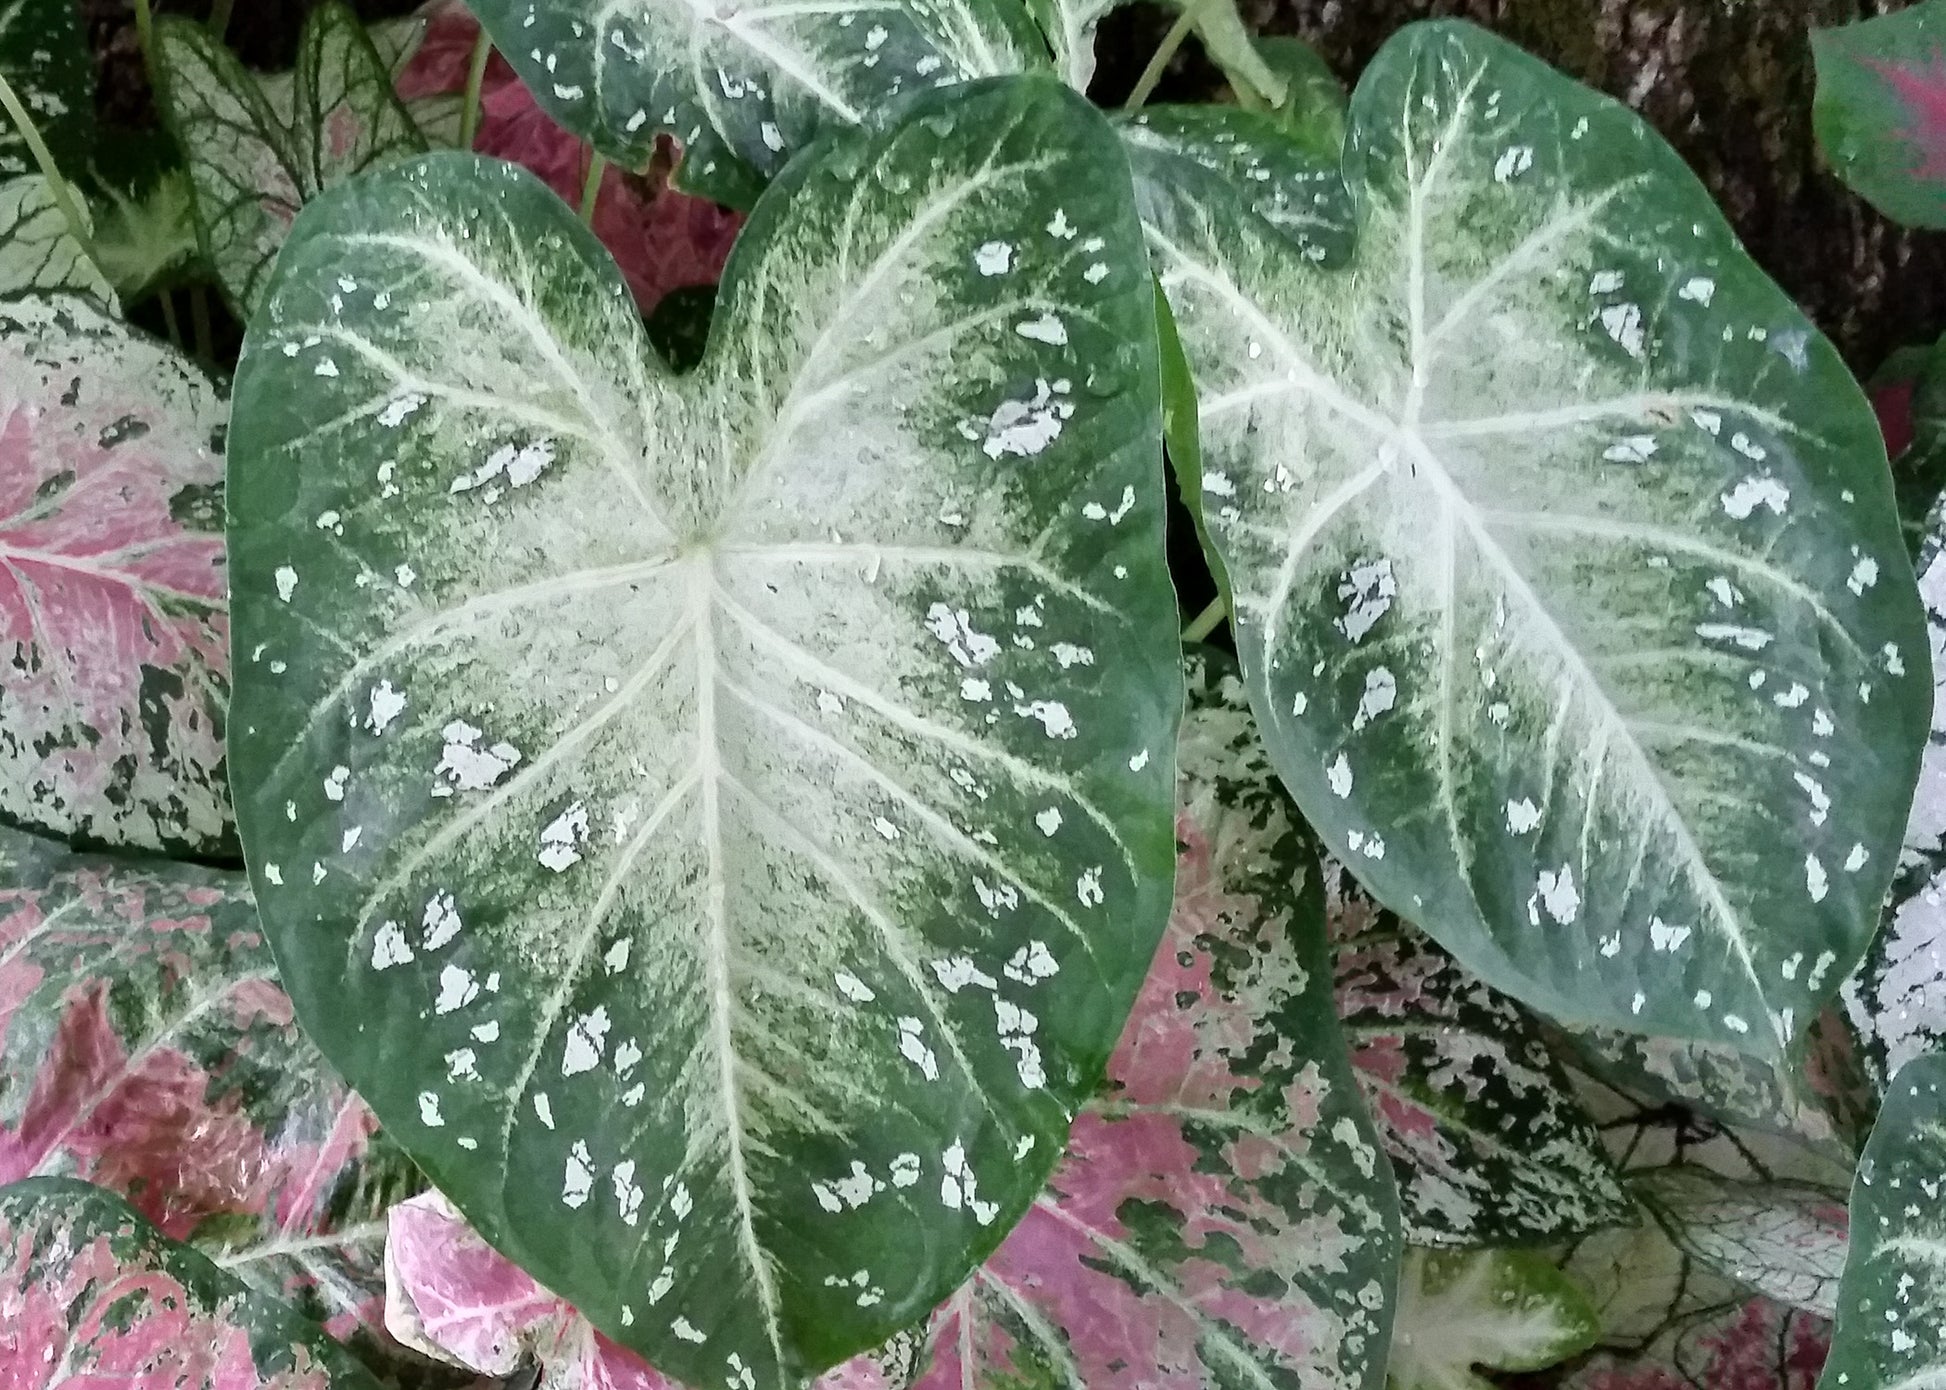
{"points": [[1500, 1310], [1881, 110], [1485, 1134], [112, 599], [259, 149], [752, 840], [1568, 581], [744, 89], [92, 1295], [1891, 1327], [1223, 1218]]}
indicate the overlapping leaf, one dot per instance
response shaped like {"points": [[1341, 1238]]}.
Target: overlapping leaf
{"points": [[745, 88], [1497, 1310], [1223, 1218], [1891, 1329], [1566, 571], [44, 58], [145, 1045], [38, 251], [453, 1296], [1881, 109], [752, 840], [259, 149], [112, 601], [91, 1294], [1487, 1139]]}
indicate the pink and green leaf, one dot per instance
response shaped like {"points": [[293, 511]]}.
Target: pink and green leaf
{"points": [[146, 1046], [1223, 1217], [1881, 110], [92, 1295], [113, 603]]}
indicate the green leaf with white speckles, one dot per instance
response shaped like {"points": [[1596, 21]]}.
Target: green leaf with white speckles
{"points": [[1502, 1310], [750, 792], [744, 86], [44, 58], [1891, 1329], [1567, 577], [259, 149]]}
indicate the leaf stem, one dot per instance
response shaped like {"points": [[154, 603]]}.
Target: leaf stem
{"points": [[145, 37], [219, 17], [469, 115], [169, 321], [44, 158], [1207, 621], [199, 317], [591, 188], [1171, 41]]}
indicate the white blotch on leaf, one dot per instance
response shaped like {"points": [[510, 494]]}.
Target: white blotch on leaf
{"points": [[579, 1179], [562, 838], [587, 1038], [1757, 490], [1522, 816], [386, 705], [994, 258]]}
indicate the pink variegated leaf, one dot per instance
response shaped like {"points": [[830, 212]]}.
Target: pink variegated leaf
{"points": [[662, 239], [92, 1296], [1486, 1138], [113, 621], [146, 1046], [1881, 110], [1224, 1217], [453, 1297]]}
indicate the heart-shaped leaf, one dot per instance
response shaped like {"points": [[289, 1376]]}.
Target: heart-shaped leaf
{"points": [[1881, 110], [753, 840], [44, 57], [259, 149], [1501, 1310], [1222, 1217], [1891, 1329], [146, 1046], [1488, 1142], [1567, 577], [743, 89], [38, 252], [112, 624], [91, 1294], [453, 1296]]}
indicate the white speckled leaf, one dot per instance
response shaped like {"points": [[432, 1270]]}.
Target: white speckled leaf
{"points": [[112, 598], [259, 149], [744, 797], [1891, 1327], [744, 86], [1567, 577], [1222, 1220], [1499, 1310], [38, 252], [92, 1295], [1488, 1142], [44, 57]]}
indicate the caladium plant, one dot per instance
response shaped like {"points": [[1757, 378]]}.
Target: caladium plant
{"points": [[721, 802], [1881, 109]]}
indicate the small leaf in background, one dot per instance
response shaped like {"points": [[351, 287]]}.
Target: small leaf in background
{"points": [[744, 90], [145, 1045], [1783, 1239], [1488, 1142], [743, 912], [663, 240], [44, 57], [1891, 1329], [145, 213], [1223, 1216], [1568, 579], [1499, 1310], [260, 148], [454, 1297], [1881, 110], [113, 631], [1314, 104], [38, 252], [91, 1294]]}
